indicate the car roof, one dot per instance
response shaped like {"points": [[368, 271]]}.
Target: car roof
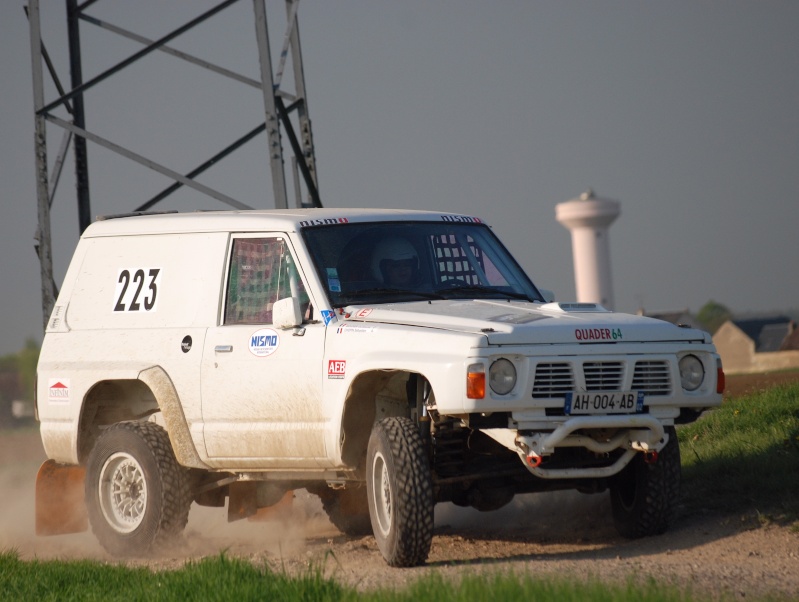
{"points": [[283, 220]]}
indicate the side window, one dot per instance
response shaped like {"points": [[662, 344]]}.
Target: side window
{"points": [[262, 271]]}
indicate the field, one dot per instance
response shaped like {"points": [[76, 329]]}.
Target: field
{"points": [[745, 552]]}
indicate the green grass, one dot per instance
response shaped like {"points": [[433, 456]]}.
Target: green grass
{"points": [[218, 578], [744, 456], [223, 578]]}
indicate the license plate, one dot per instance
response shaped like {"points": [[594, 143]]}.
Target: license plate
{"points": [[606, 402]]}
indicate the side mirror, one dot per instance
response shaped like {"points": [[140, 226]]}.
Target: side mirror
{"points": [[549, 296], [286, 313]]}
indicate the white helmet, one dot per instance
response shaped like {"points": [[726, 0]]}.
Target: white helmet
{"points": [[394, 248]]}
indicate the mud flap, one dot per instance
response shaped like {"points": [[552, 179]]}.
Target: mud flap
{"points": [[60, 502]]}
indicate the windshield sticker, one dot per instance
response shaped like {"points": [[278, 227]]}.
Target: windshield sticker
{"points": [[329, 315], [598, 334], [333, 282], [336, 368], [328, 221], [264, 342], [462, 218], [357, 328], [58, 390]]}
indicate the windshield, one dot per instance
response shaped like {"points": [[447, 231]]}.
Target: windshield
{"points": [[388, 262]]}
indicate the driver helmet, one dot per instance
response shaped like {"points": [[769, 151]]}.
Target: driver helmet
{"points": [[393, 248]]}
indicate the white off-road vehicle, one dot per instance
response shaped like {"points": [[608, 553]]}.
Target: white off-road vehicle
{"points": [[383, 360]]}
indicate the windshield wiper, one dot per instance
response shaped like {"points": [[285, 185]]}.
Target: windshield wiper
{"points": [[385, 291], [476, 288]]}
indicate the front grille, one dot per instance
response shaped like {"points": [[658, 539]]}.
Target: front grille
{"points": [[553, 380], [652, 377], [603, 376]]}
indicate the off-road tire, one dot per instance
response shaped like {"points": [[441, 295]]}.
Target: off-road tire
{"points": [[643, 496], [399, 486], [347, 509], [137, 495]]}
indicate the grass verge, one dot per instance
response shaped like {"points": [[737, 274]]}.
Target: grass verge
{"points": [[221, 578], [744, 456]]}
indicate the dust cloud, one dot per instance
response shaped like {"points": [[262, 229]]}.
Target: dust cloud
{"points": [[283, 532], [289, 531]]}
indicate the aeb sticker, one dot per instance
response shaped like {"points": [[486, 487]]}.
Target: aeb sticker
{"points": [[329, 315], [336, 368]]}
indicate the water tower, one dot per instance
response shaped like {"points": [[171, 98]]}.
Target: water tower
{"points": [[588, 218]]}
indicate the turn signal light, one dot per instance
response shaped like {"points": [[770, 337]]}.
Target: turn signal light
{"points": [[476, 382]]}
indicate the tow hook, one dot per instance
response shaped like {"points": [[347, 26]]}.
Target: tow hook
{"points": [[650, 457], [534, 460]]}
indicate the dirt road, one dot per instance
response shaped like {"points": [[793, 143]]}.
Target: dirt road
{"points": [[564, 535]]}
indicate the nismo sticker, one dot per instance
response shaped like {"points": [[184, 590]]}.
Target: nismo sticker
{"points": [[461, 218], [264, 342], [328, 221]]}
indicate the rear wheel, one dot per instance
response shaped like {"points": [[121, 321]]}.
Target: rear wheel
{"points": [[137, 495], [643, 496], [400, 491]]}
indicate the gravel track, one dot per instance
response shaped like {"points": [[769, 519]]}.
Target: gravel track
{"points": [[560, 535]]}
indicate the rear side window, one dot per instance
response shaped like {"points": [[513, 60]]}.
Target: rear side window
{"points": [[262, 271]]}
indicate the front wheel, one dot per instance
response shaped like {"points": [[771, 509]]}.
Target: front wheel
{"points": [[399, 487], [137, 495], [643, 496]]}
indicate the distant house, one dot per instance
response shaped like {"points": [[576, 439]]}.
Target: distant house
{"points": [[758, 344]]}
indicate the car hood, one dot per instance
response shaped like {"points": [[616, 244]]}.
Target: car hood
{"points": [[519, 323]]}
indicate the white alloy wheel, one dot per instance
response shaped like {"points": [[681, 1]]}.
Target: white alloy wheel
{"points": [[123, 492], [382, 500], [137, 495]]}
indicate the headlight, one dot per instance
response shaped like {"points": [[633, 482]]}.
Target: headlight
{"points": [[502, 376], [692, 372]]}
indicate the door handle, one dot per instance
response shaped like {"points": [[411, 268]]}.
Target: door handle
{"points": [[223, 348]]}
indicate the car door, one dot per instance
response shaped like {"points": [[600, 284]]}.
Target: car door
{"points": [[262, 386]]}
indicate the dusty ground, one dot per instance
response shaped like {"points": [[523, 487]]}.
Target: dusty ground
{"points": [[562, 534]]}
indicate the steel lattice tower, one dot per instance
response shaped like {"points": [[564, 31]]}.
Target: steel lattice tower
{"points": [[283, 112]]}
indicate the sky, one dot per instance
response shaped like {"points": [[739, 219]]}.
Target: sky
{"points": [[686, 112]]}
